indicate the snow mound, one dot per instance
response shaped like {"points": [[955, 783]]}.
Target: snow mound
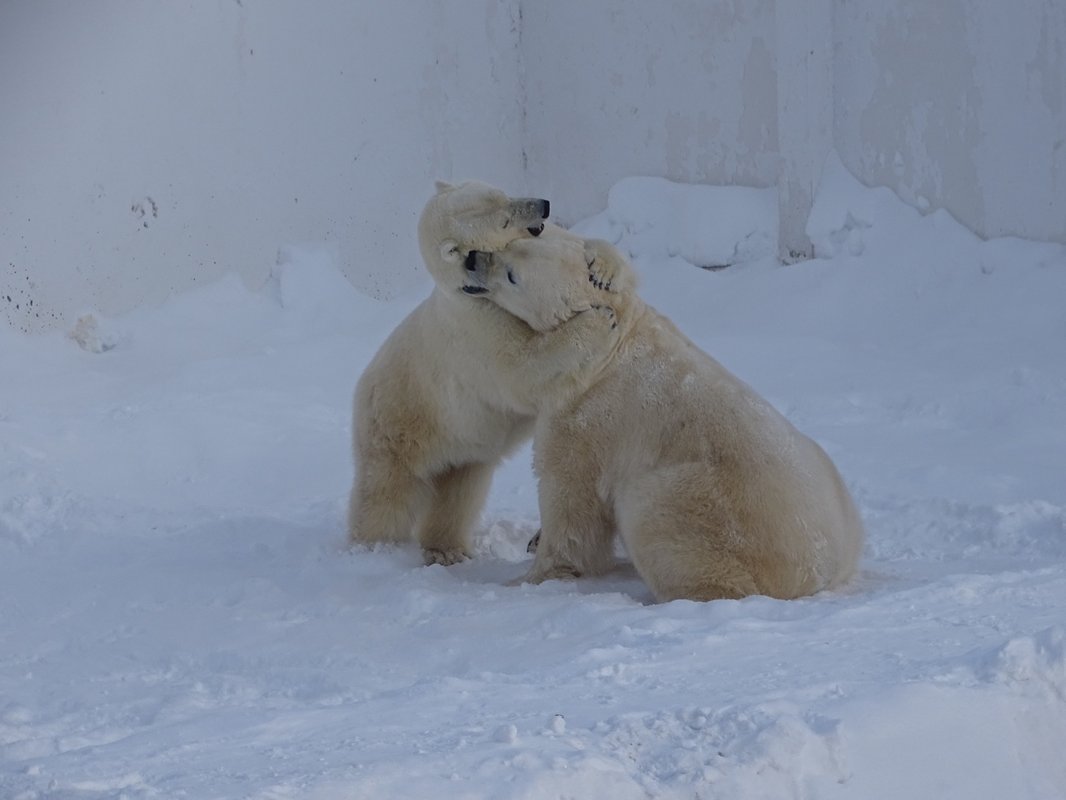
{"points": [[709, 226], [1032, 664], [93, 334], [311, 290], [768, 750]]}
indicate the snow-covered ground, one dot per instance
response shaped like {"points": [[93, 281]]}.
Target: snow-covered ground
{"points": [[179, 616]]}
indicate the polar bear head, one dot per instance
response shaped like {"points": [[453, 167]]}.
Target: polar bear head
{"points": [[473, 216], [545, 282]]}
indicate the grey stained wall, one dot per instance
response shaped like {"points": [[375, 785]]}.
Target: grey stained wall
{"points": [[959, 104], [149, 147]]}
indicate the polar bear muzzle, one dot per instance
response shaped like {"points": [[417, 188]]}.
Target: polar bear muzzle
{"points": [[532, 208], [477, 264]]}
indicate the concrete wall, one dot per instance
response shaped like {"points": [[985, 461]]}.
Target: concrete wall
{"points": [[145, 147], [958, 104], [684, 90]]}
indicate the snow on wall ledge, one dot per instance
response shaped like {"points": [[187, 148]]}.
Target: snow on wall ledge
{"points": [[707, 226]]}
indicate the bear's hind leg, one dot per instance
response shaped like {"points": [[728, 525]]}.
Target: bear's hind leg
{"points": [[458, 496], [682, 537]]}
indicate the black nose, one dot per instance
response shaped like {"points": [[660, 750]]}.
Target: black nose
{"points": [[471, 261], [545, 208]]}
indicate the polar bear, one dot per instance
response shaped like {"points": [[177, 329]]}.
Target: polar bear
{"points": [[713, 492], [449, 393]]}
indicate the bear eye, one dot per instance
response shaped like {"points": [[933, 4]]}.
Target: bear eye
{"points": [[510, 276], [507, 223]]}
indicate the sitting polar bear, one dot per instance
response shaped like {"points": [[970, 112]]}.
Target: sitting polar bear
{"points": [[450, 392], [714, 493]]}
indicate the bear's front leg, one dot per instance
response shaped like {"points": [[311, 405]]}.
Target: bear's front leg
{"points": [[577, 527], [608, 269], [572, 542], [559, 364], [386, 500], [458, 495]]}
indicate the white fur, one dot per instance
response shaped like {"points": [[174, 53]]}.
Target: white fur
{"points": [[449, 392], [714, 493]]}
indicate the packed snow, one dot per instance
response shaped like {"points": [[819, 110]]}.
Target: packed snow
{"points": [[180, 617]]}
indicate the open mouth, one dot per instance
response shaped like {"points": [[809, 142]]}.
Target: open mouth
{"points": [[474, 290], [536, 230]]}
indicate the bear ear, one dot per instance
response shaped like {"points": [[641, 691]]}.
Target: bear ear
{"points": [[444, 186], [449, 251]]}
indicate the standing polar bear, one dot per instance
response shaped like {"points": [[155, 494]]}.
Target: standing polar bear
{"points": [[450, 392], [714, 493]]}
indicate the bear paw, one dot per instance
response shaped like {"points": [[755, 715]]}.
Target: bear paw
{"points": [[602, 271], [556, 572], [609, 314], [599, 278], [445, 558]]}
